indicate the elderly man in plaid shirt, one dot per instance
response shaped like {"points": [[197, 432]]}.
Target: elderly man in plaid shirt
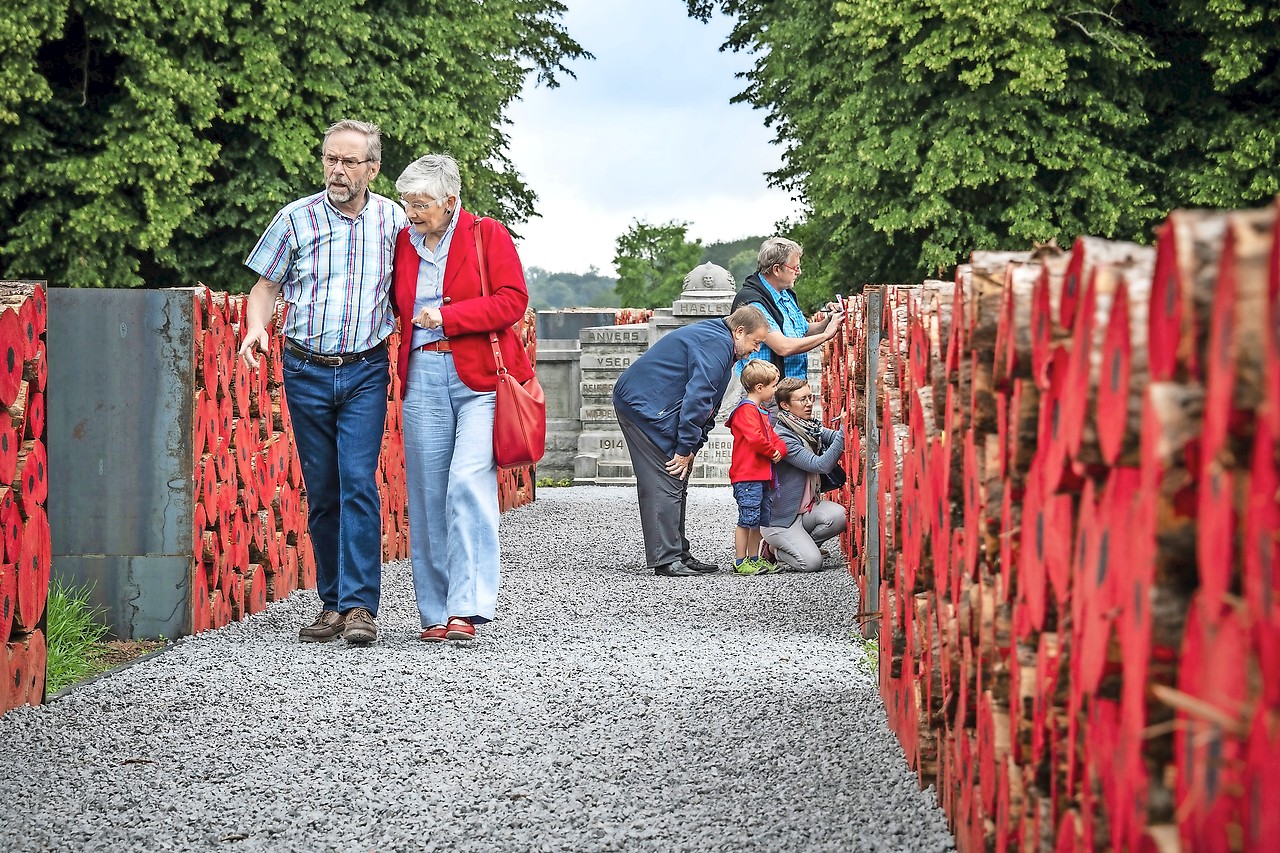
{"points": [[329, 256]]}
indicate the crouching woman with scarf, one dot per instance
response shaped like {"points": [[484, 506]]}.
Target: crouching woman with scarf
{"points": [[800, 520]]}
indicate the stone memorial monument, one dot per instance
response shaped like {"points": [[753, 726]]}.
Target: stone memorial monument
{"points": [[602, 454]]}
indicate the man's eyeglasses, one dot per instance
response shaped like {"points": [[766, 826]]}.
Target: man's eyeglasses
{"points": [[795, 269], [348, 162], [419, 206], [796, 398]]}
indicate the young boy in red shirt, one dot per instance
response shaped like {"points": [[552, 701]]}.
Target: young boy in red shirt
{"points": [[755, 448]]}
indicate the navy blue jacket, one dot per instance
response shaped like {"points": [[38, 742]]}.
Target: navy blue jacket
{"points": [[672, 392]]}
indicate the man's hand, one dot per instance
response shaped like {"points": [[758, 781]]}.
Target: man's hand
{"points": [[258, 337], [679, 466], [777, 454], [833, 324]]}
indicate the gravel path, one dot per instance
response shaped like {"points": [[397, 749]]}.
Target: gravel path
{"points": [[605, 709]]}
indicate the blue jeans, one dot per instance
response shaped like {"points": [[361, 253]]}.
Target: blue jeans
{"points": [[339, 415], [453, 492]]}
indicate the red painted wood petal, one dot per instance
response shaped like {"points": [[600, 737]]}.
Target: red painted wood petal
{"points": [[1262, 780], [33, 570], [34, 479], [240, 386], [35, 414], [1220, 363], [37, 661], [1070, 836], [8, 599], [1010, 539], [11, 356], [27, 322], [41, 364], [1215, 535], [974, 500], [228, 344], [246, 447], [1073, 395], [1032, 580], [40, 309], [1113, 382], [1055, 532], [209, 367], [9, 443], [1213, 669], [225, 422], [1134, 577], [255, 599], [11, 525], [1260, 541], [1165, 320]]}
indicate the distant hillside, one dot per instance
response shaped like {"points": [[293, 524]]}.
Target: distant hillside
{"points": [[737, 256], [570, 290]]}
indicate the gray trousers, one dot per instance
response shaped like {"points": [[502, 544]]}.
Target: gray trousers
{"points": [[796, 546], [662, 499]]}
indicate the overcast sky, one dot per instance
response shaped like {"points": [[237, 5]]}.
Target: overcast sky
{"points": [[647, 132]]}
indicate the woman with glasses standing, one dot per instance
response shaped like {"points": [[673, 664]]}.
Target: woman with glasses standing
{"points": [[800, 520], [447, 378]]}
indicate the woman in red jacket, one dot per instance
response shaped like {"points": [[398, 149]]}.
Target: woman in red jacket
{"points": [[447, 380]]}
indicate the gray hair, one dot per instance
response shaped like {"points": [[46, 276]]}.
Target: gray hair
{"points": [[749, 318], [776, 251], [373, 136], [435, 176]]}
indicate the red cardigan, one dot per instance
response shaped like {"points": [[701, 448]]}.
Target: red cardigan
{"points": [[468, 317], [754, 442]]}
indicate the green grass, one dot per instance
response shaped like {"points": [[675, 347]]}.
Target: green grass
{"points": [[548, 482], [871, 654], [73, 631]]}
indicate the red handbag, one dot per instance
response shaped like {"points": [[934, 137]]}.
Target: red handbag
{"points": [[519, 408]]}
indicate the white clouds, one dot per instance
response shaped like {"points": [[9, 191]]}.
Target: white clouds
{"points": [[645, 132]]}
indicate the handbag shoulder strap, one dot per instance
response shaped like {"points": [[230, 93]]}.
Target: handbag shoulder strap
{"points": [[484, 291]]}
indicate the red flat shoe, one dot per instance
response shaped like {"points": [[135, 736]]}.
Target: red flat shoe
{"points": [[459, 628], [434, 634]]}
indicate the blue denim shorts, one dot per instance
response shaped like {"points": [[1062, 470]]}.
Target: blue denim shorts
{"points": [[754, 501]]}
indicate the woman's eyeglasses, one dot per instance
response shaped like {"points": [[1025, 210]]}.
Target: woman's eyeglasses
{"points": [[418, 206]]}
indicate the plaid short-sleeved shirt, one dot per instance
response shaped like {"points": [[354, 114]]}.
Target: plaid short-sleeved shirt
{"points": [[334, 270], [794, 325]]}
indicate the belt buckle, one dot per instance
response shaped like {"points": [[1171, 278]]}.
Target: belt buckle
{"points": [[329, 360]]}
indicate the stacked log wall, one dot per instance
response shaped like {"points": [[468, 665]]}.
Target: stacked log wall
{"points": [[250, 543], [24, 523], [1079, 506]]}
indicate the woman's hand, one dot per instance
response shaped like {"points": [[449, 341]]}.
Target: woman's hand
{"points": [[428, 318]]}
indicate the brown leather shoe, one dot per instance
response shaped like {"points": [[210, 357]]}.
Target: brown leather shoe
{"points": [[360, 627], [327, 626]]}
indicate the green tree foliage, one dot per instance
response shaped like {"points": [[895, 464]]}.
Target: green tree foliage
{"points": [[737, 256], [652, 261], [570, 290], [150, 142], [921, 130]]}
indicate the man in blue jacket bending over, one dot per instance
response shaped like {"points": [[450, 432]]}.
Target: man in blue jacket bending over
{"points": [[666, 403]]}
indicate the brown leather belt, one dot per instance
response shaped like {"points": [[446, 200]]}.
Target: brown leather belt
{"points": [[437, 346], [335, 360]]}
